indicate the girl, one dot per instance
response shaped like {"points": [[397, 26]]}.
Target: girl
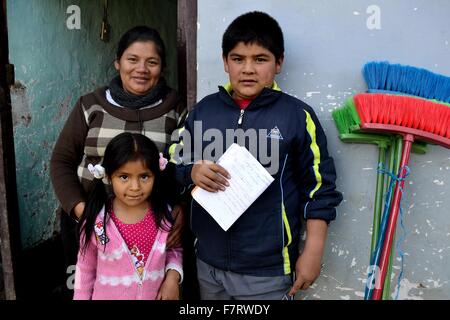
{"points": [[123, 237]]}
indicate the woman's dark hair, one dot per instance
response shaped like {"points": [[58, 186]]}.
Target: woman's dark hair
{"points": [[142, 34], [254, 27], [123, 148]]}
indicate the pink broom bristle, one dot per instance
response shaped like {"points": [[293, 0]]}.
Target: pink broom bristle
{"points": [[404, 111]]}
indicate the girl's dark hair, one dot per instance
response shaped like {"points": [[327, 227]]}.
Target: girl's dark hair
{"points": [[142, 34], [121, 149], [254, 27]]}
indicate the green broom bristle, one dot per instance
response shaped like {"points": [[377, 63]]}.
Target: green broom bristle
{"points": [[346, 117]]}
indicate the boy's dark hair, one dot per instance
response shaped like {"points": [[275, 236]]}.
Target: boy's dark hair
{"points": [[142, 34], [254, 27], [121, 149]]}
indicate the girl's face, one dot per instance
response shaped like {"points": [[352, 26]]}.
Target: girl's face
{"points": [[132, 184], [139, 67]]}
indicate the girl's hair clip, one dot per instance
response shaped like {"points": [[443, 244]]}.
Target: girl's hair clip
{"points": [[162, 162], [97, 171]]}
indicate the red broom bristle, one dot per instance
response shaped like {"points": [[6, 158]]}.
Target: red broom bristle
{"points": [[404, 111]]}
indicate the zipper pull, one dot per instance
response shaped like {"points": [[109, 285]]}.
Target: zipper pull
{"points": [[241, 116]]}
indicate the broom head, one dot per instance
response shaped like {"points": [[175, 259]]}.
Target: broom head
{"points": [[426, 120]]}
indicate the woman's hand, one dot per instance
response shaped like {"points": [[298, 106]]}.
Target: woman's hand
{"points": [[78, 210], [170, 289], [174, 238], [210, 176]]}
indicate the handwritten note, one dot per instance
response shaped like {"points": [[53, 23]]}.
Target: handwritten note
{"points": [[248, 181]]}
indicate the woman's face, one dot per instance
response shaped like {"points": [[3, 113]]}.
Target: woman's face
{"points": [[139, 67]]}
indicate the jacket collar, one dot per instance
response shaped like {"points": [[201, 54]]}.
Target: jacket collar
{"points": [[267, 95]]}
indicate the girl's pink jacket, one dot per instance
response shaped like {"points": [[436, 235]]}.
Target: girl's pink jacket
{"points": [[108, 273]]}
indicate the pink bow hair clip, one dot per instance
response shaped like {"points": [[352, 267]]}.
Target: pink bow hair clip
{"points": [[97, 171], [162, 162]]}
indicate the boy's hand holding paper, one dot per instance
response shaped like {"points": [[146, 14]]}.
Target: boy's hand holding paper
{"points": [[248, 181], [210, 176]]}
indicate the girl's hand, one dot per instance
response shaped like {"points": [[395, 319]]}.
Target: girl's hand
{"points": [[209, 176], [170, 289], [174, 238]]}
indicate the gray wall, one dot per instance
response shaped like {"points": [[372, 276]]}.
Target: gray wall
{"points": [[327, 43], [54, 65]]}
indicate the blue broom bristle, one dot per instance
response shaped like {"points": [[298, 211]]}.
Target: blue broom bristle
{"points": [[383, 76]]}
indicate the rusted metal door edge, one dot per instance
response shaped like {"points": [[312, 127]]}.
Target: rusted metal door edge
{"points": [[187, 51], [9, 219]]}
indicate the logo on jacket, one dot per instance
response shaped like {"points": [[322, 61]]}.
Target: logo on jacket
{"points": [[275, 134]]}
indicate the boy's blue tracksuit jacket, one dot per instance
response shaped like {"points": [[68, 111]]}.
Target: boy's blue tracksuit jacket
{"points": [[264, 240]]}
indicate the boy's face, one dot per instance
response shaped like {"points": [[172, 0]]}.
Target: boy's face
{"points": [[251, 67]]}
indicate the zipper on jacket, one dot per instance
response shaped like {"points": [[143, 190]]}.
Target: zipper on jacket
{"points": [[241, 116]]}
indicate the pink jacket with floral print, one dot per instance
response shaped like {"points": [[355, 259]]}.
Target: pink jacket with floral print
{"points": [[109, 273]]}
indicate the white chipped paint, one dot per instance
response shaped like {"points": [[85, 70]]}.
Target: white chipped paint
{"points": [[344, 289], [310, 93], [347, 297], [405, 288], [359, 294], [438, 182], [367, 169], [356, 13], [436, 283], [362, 208], [429, 224], [353, 263]]}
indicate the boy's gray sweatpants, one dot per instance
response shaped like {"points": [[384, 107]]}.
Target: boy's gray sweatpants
{"points": [[216, 284]]}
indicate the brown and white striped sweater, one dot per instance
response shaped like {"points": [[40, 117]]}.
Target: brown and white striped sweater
{"points": [[93, 122]]}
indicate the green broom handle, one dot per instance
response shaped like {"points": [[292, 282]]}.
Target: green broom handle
{"points": [[378, 200]]}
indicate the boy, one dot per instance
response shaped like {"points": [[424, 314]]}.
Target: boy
{"points": [[257, 257]]}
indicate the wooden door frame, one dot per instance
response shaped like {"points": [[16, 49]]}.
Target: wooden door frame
{"points": [[187, 51], [9, 213]]}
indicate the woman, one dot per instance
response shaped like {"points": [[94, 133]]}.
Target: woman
{"points": [[137, 100]]}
